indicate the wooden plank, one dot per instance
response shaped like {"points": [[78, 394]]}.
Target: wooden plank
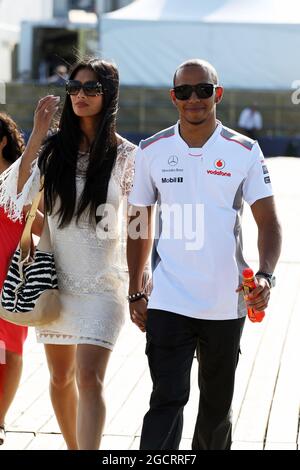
{"points": [[63, 445], [123, 383], [281, 446], [27, 395], [185, 444], [119, 357], [115, 442], [135, 443], [253, 419], [33, 381], [32, 363], [283, 422], [130, 337], [130, 416], [36, 415], [130, 342], [253, 336], [46, 442], [17, 440], [50, 427], [247, 445]]}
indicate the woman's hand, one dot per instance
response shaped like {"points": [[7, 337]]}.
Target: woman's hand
{"points": [[44, 112], [43, 115]]}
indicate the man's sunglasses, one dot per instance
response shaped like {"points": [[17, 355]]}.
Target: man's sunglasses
{"points": [[91, 88], [202, 90]]}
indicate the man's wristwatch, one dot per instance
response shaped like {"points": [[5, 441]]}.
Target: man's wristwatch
{"points": [[268, 276]]}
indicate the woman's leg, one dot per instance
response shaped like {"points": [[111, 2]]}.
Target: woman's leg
{"points": [[63, 389], [10, 375], [91, 367]]}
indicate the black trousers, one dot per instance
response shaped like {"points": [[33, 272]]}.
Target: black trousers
{"points": [[172, 340]]}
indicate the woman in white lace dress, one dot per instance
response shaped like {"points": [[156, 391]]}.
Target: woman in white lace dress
{"points": [[86, 165]]}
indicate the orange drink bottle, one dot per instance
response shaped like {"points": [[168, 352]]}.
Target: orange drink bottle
{"points": [[249, 284]]}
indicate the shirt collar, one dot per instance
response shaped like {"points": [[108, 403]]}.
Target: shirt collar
{"points": [[197, 151]]}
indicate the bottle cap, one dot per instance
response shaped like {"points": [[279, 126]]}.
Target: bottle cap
{"points": [[248, 273]]}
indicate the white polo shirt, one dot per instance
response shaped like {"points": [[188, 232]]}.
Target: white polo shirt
{"points": [[197, 256]]}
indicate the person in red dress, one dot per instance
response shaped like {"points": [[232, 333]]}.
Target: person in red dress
{"points": [[12, 336]]}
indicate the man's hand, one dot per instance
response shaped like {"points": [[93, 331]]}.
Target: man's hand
{"points": [[138, 313], [259, 298]]}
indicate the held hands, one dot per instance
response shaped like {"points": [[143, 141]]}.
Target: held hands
{"points": [[44, 112], [138, 308], [259, 298], [138, 313]]}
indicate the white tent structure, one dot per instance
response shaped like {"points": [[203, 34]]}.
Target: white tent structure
{"points": [[253, 44], [11, 16]]}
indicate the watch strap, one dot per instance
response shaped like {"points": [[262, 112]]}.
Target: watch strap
{"points": [[268, 276]]}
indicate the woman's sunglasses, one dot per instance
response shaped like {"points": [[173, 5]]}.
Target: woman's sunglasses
{"points": [[202, 90], [91, 88]]}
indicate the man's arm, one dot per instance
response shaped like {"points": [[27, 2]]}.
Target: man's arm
{"points": [[139, 245], [269, 233], [269, 247]]}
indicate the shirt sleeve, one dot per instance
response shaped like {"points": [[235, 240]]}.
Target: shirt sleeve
{"points": [[143, 192], [12, 201], [258, 183]]}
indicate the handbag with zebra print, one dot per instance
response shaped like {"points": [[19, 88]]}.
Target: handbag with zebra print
{"points": [[30, 294]]}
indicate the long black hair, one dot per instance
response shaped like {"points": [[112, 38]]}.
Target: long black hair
{"points": [[15, 143], [58, 159]]}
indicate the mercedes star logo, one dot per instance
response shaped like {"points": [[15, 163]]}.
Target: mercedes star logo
{"points": [[173, 160]]}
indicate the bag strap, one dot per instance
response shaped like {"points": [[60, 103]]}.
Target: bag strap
{"points": [[25, 242]]}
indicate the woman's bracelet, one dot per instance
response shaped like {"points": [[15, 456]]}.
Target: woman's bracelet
{"points": [[137, 296]]}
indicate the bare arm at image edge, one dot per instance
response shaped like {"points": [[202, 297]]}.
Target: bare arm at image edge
{"points": [[20, 183], [138, 252]]}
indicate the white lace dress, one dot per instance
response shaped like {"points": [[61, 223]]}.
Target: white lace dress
{"points": [[89, 260]]}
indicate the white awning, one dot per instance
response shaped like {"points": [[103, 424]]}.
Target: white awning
{"points": [[252, 44]]}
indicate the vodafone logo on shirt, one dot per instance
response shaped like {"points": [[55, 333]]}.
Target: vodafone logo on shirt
{"points": [[219, 165]]}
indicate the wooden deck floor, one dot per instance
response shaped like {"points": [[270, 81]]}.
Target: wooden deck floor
{"points": [[267, 397]]}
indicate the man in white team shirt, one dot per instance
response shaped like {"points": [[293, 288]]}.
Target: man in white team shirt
{"points": [[199, 173]]}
